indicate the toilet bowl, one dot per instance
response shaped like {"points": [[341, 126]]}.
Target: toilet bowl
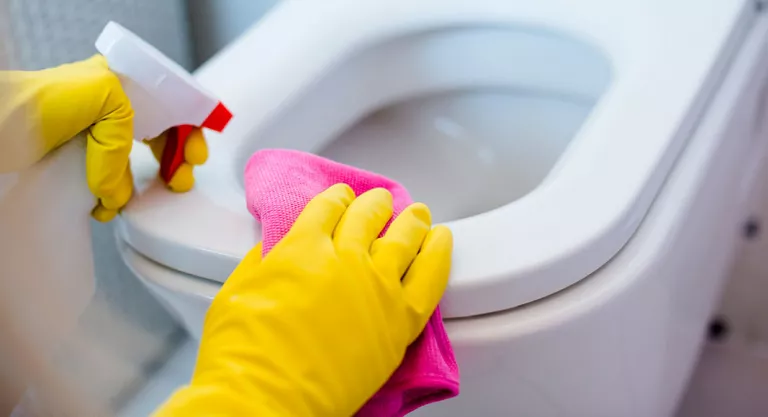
{"points": [[591, 158]]}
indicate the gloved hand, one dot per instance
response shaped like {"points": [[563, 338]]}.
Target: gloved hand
{"points": [[195, 153], [320, 324], [42, 110]]}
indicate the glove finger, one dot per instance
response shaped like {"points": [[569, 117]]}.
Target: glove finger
{"points": [[195, 153], [427, 278], [109, 146], [196, 149], [363, 221], [183, 179], [102, 214], [323, 213], [394, 253], [108, 207], [121, 193]]}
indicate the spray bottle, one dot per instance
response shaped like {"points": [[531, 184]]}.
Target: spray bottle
{"points": [[163, 95]]}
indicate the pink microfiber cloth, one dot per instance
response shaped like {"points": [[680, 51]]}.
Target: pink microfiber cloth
{"points": [[278, 184]]}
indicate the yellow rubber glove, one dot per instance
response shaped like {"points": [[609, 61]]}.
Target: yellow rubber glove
{"points": [[195, 153], [42, 110], [320, 324], [47, 108]]}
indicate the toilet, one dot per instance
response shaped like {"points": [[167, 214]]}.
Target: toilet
{"points": [[592, 158]]}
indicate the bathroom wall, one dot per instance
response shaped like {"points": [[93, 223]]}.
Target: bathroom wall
{"points": [[217, 22], [51, 32], [732, 374], [731, 377], [743, 315]]}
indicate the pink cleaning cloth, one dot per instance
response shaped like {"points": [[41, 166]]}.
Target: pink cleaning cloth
{"points": [[278, 184]]}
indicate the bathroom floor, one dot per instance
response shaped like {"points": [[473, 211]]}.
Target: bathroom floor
{"points": [[729, 381], [176, 372]]}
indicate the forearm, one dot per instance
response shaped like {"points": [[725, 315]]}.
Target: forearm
{"points": [[18, 149]]}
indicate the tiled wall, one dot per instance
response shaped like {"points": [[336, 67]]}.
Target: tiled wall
{"points": [[744, 308], [732, 374], [50, 32]]}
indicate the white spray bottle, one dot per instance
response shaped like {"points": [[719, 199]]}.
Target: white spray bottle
{"points": [[163, 95]]}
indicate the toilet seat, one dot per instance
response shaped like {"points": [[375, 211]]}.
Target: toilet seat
{"points": [[505, 257]]}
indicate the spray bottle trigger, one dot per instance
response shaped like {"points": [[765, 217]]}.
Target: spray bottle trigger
{"points": [[173, 153]]}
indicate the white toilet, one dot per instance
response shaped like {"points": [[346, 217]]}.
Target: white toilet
{"points": [[592, 159]]}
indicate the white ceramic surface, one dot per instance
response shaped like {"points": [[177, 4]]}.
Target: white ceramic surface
{"points": [[464, 153]]}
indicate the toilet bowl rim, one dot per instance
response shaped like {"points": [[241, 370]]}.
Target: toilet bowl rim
{"points": [[600, 234]]}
